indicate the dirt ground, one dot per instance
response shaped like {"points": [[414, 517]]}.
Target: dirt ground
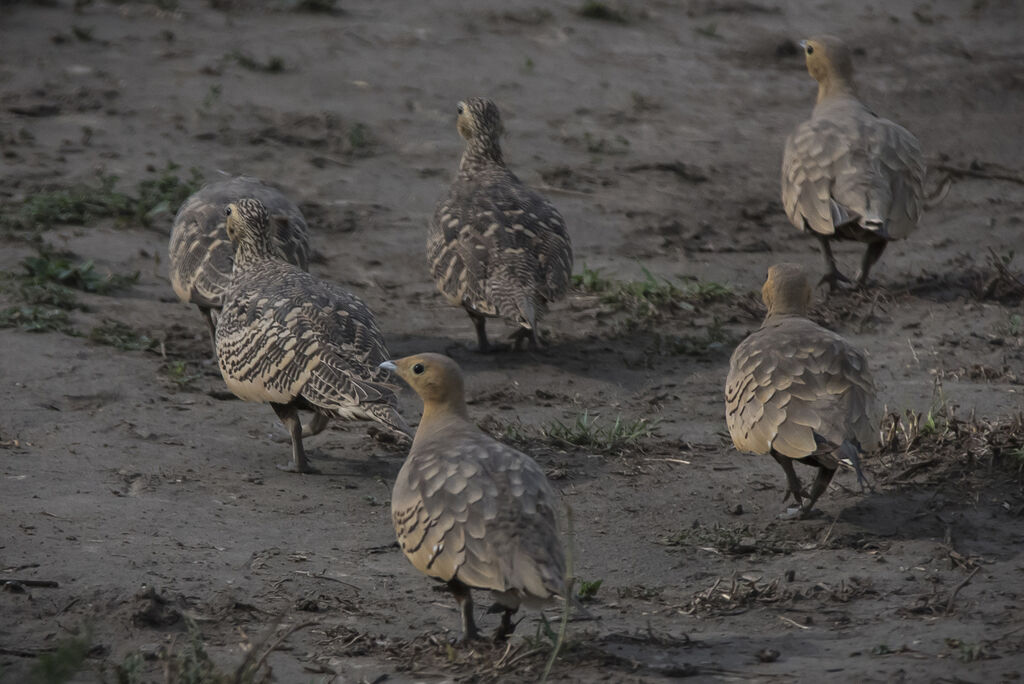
{"points": [[143, 518]]}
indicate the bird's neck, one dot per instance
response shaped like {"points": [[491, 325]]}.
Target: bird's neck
{"points": [[481, 153], [441, 416], [248, 254], [835, 86]]}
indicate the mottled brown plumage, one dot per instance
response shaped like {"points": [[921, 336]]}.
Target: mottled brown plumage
{"points": [[469, 510], [289, 339], [200, 252], [496, 247], [798, 391], [848, 173]]}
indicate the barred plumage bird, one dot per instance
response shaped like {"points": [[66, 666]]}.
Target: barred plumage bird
{"points": [[296, 342], [469, 510], [798, 391], [496, 247], [200, 252], [848, 173]]}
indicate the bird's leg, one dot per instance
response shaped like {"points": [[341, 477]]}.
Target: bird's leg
{"points": [[465, 600], [507, 626], [526, 334], [211, 324], [794, 487], [316, 425], [871, 255], [817, 489], [289, 415], [480, 322], [833, 277]]}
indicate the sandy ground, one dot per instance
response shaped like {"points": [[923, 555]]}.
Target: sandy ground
{"points": [[149, 500]]}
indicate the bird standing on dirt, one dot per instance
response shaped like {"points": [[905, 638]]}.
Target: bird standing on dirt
{"points": [[847, 173], [200, 252], [286, 338], [496, 247], [798, 391], [469, 510]]}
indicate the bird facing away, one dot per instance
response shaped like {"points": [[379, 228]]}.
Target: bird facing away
{"points": [[200, 252], [798, 391], [847, 173], [469, 510], [496, 247], [296, 342]]}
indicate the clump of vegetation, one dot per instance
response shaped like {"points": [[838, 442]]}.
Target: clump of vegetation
{"points": [[273, 65], [588, 590], [48, 268], [360, 140], [81, 204], [35, 318], [595, 9], [61, 664], [651, 296], [121, 336], [587, 430], [181, 373], [600, 145]]}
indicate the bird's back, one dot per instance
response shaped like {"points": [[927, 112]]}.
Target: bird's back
{"points": [[468, 507], [795, 387], [200, 252], [847, 165], [495, 243]]}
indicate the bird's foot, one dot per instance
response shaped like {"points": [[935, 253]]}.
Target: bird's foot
{"points": [[800, 513], [303, 468], [835, 281], [526, 336]]}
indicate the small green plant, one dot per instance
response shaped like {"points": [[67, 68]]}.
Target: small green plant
{"points": [[587, 431], [591, 280], [273, 65], [123, 337], [181, 373], [588, 590], [361, 141], [164, 193], [601, 145], [49, 268], [35, 319], [62, 663], [709, 31], [212, 96], [82, 33], [594, 9]]}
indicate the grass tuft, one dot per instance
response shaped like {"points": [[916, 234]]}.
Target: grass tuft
{"points": [[588, 431]]}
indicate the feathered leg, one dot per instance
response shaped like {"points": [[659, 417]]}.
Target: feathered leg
{"points": [[480, 322], [871, 255], [833, 277], [817, 489], [464, 598], [794, 488], [289, 415], [212, 325]]}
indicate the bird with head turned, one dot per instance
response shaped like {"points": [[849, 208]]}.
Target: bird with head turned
{"points": [[496, 247], [469, 510], [287, 338], [799, 392], [200, 252], [847, 173]]}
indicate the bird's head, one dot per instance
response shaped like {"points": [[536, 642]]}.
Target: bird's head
{"points": [[827, 58], [434, 377], [787, 290]]}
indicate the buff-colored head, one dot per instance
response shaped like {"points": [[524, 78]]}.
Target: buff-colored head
{"points": [[434, 377], [829, 63], [787, 290], [248, 227]]}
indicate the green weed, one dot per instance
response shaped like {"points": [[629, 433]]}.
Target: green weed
{"points": [[273, 65], [588, 590], [48, 268], [594, 9], [35, 318], [588, 431], [61, 664], [361, 141], [181, 373], [123, 337]]}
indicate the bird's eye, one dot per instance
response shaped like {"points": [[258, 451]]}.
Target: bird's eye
{"points": [[810, 49], [418, 369], [461, 109], [227, 211]]}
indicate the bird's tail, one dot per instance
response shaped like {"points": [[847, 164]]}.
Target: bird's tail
{"points": [[390, 417]]}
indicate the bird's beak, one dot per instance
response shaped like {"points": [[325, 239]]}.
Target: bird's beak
{"points": [[388, 365], [803, 44]]}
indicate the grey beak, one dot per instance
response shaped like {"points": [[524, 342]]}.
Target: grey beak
{"points": [[388, 365], [803, 44]]}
